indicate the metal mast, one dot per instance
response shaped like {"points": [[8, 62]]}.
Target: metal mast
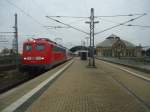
{"points": [[91, 48], [16, 39]]}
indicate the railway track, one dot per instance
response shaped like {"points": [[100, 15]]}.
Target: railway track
{"points": [[18, 77], [12, 78], [7, 67]]}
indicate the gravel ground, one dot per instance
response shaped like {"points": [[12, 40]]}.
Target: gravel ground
{"points": [[82, 89], [11, 78]]}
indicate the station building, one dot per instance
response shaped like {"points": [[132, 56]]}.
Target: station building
{"points": [[114, 46], [146, 51]]}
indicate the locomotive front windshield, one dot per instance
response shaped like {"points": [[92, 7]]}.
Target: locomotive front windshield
{"points": [[40, 47], [28, 47]]}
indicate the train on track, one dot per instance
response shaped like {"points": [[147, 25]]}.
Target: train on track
{"points": [[42, 53]]}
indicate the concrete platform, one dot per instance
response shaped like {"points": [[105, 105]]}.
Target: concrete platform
{"points": [[82, 89]]}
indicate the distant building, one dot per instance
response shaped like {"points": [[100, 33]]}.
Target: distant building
{"points": [[146, 51], [77, 49], [14, 45], [114, 46]]}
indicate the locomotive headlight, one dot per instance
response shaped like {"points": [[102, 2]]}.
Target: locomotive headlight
{"points": [[29, 58], [39, 58], [25, 58]]}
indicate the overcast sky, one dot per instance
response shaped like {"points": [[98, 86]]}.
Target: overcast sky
{"points": [[31, 19]]}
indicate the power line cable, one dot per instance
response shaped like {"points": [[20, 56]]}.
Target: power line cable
{"points": [[98, 16], [67, 25], [127, 24], [43, 10], [120, 24], [110, 21], [39, 7], [6, 32], [136, 14], [73, 22], [31, 17], [138, 26], [54, 26], [68, 16], [27, 14]]}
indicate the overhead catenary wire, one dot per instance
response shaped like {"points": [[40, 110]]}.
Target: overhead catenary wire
{"points": [[120, 24], [67, 25], [107, 16], [6, 32], [35, 20], [45, 12], [27, 14], [76, 21], [3, 41], [68, 17], [56, 27], [136, 14], [144, 26], [97, 16], [38, 6], [138, 25], [6, 35]]}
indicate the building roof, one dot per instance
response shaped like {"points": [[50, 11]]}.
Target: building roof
{"points": [[112, 39], [145, 48], [78, 48]]}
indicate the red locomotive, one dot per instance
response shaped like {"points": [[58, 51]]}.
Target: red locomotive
{"points": [[42, 53]]}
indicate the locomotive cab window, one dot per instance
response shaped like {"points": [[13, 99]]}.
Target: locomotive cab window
{"points": [[28, 47], [40, 47], [58, 49]]}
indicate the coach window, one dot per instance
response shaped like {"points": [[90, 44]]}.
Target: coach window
{"points": [[28, 47], [39, 47]]}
